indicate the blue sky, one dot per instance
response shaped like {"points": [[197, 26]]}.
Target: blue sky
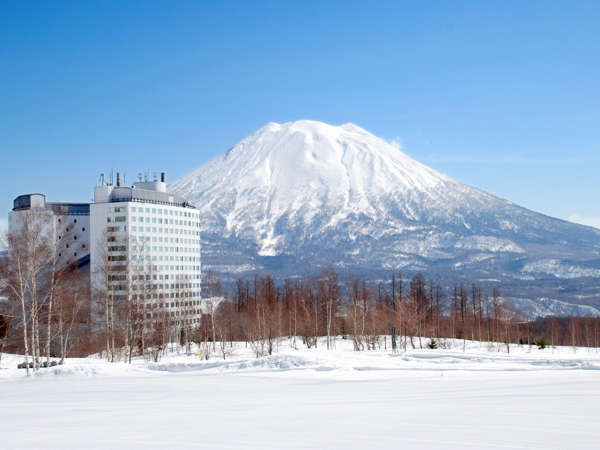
{"points": [[500, 95]]}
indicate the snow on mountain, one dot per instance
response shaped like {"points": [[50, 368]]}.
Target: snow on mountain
{"points": [[294, 197], [560, 269], [543, 307]]}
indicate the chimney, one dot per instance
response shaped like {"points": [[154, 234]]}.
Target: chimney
{"points": [[118, 179], [162, 177]]}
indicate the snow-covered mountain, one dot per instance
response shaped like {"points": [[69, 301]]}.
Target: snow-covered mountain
{"points": [[295, 197]]}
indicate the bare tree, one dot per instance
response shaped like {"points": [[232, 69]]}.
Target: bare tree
{"points": [[329, 291], [103, 291], [355, 313], [210, 307], [72, 308], [30, 252]]}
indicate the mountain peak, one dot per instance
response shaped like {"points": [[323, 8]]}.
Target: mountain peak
{"points": [[314, 128], [309, 172], [315, 194], [309, 125]]}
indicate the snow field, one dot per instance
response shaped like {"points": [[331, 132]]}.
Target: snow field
{"points": [[315, 398]]}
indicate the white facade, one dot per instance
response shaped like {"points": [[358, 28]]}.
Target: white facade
{"points": [[68, 224], [146, 248]]}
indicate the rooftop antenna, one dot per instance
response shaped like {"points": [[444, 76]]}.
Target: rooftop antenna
{"points": [[154, 176], [140, 177], [102, 181], [111, 177], [146, 175]]}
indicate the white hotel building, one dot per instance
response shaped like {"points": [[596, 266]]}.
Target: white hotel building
{"points": [[148, 240], [139, 243], [68, 223]]}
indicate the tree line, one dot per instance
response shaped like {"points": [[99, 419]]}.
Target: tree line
{"points": [[412, 314], [49, 310]]}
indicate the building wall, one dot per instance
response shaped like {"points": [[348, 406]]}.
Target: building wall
{"points": [[152, 253], [72, 232], [74, 237]]}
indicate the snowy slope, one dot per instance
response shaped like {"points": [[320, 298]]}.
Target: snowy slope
{"points": [[544, 307], [297, 196]]}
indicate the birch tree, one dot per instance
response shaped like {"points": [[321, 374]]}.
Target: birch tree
{"points": [[31, 251]]}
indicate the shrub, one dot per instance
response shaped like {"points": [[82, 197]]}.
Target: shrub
{"points": [[541, 343]]}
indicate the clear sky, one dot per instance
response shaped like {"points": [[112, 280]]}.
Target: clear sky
{"points": [[500, 95]]}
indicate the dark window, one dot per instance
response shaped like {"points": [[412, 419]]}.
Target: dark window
{"points": [[82, 245], [75, 237], [83, 229], [75, 254], [67, 245], [75, 221]]}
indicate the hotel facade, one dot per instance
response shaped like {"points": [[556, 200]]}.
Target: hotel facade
{"points": [[136, 243]]}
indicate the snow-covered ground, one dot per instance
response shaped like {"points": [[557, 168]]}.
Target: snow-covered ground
{"points": [[318, 398]]}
